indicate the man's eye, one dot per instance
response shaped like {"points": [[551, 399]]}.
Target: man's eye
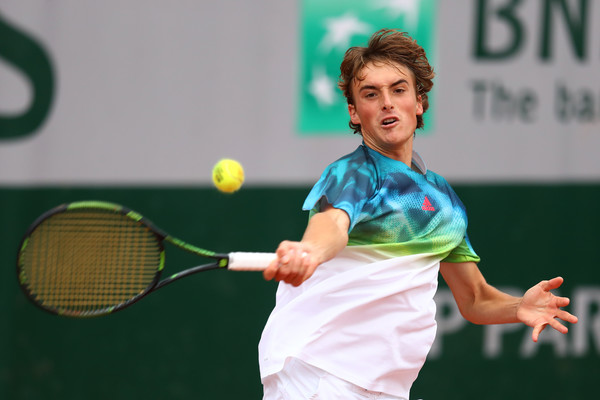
{"points": [[369, 95]]}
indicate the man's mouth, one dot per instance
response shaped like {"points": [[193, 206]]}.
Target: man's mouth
{"points": [[389, 121]]}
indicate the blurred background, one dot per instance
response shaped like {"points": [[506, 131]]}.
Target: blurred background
{"points": [[134, 101]]}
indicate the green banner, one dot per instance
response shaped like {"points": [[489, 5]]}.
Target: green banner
{"points": [[198, 338]]}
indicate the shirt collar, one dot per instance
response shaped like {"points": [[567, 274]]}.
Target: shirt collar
{"points": [[419, 162]]}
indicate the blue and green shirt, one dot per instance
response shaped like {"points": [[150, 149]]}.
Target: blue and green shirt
{"points": [[393, 208]]}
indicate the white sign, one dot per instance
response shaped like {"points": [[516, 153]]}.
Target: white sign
{"points": [[149, 92]]}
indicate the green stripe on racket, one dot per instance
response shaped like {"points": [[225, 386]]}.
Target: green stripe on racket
{"points": [[93, 258]]}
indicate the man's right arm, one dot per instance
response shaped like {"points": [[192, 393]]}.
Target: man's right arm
{"points": [[325, 236]]}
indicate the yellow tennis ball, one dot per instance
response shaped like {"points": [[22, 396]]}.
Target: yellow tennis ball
{"points": [[228, 175]]}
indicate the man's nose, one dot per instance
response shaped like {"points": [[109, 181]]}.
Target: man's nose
{"points": [[386, 101]]}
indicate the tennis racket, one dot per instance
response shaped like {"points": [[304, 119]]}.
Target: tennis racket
{"points": [[93, 258]]}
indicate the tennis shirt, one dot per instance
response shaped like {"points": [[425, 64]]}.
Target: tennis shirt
{"points": [[368, 316]]}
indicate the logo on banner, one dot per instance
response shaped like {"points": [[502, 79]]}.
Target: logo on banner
{"points": [[328, 29], [22, 53]]}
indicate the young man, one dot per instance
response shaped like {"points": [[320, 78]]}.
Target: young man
{"points": [[354, 316]]}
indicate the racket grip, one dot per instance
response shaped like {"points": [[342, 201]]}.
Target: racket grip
{"points": [[245, 261]]}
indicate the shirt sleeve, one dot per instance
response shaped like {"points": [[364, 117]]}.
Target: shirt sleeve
{"points": [[347, 184], [462, 253]]}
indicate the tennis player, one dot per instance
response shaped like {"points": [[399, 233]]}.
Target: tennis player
{"points": [[354, 313]]}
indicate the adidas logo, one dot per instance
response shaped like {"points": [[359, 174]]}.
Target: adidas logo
{"points": [[427, 205]]}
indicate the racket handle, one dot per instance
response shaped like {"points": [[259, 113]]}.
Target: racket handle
{"points": [[244, 261]]}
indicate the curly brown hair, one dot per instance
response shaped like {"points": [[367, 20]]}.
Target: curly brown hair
{"points": [[388, 46]]}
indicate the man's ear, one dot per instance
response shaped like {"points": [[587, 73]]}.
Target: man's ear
{"points": [[354, 118], [419, 105]]}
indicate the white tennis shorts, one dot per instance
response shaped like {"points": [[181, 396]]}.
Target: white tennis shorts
{"points": [[299, 380]]}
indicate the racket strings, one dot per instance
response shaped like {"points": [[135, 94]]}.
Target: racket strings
{"points": [[82, 261]]}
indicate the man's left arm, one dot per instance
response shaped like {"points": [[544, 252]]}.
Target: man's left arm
{"points": [[481, 303]]}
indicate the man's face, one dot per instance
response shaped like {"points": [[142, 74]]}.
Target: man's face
{"points": [[386, 106]]}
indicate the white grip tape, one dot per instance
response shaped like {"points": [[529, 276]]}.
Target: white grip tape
{"points": [[243, 261]]}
